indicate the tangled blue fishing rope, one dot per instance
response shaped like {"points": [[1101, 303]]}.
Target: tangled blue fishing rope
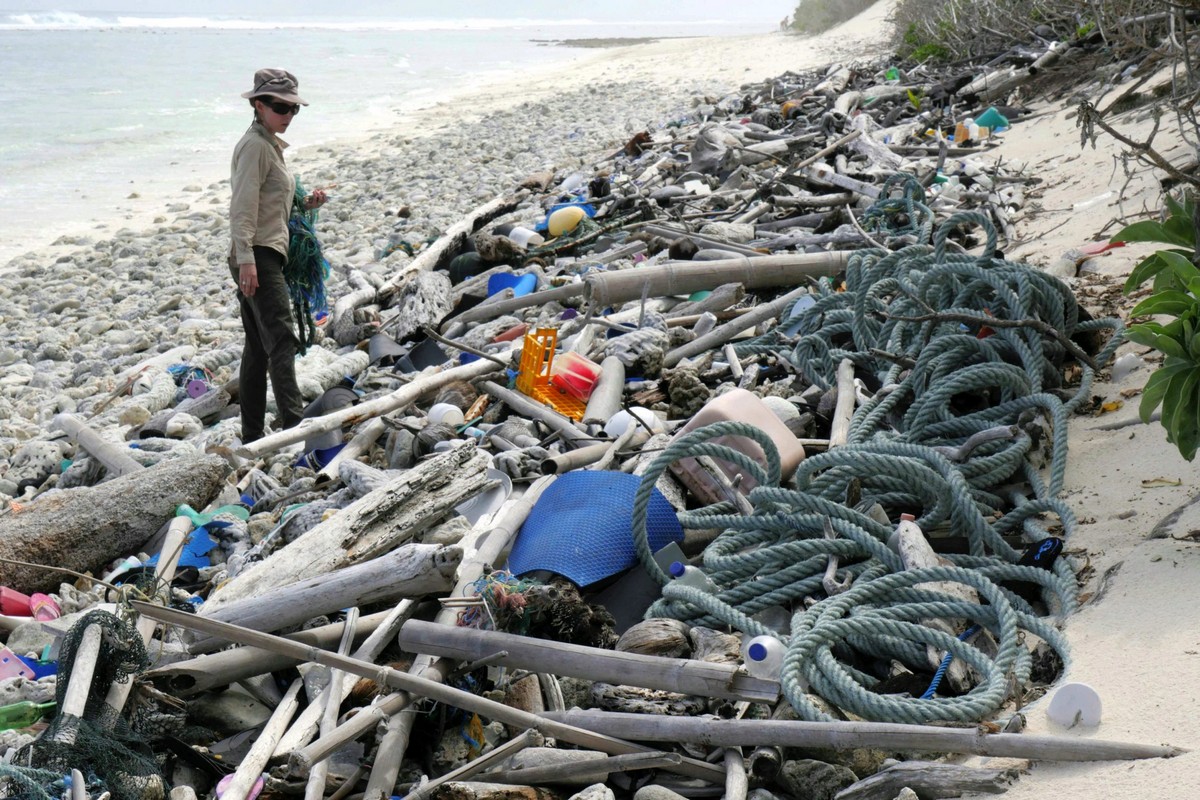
{"points": [[306, 269], [966, 429]]}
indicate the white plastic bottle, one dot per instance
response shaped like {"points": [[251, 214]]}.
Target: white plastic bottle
{"points": [[686, 575], [763, 656], [972, 129]]}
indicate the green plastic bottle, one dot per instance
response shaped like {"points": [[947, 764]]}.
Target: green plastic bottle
{"points": [[23, 714]]}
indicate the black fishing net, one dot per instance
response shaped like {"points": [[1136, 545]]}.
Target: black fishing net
{"points": [[99, 743]]}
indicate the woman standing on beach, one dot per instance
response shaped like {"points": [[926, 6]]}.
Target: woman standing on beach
{"points": [[263, 195]]}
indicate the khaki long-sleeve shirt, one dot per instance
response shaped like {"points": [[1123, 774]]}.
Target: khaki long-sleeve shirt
{"points": [[263, 193]]}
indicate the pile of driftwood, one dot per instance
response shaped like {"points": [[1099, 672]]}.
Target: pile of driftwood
{"points": [[343, 556]]}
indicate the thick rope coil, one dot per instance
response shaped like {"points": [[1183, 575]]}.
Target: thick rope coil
{"points": [[963, 409]]}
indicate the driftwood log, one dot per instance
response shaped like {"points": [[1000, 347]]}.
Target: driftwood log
{"points": [[929, 779], [849, 735], [83, 529], [409, 571], [372, 525], [577, 661]]}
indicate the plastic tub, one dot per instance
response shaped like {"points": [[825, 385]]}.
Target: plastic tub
{"points": [[574, 374], [737, 405]]}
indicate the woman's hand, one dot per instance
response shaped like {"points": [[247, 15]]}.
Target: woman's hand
{"points": [[248, 279], [315, 200]]}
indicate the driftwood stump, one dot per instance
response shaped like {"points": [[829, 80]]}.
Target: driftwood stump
{"points": [[83, 529]]}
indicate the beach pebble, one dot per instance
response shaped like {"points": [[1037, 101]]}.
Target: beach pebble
{"points": [[597, 791], [815, 779]]}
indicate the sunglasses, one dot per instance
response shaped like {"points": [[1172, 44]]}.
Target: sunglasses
{"points": [[282, 109]]}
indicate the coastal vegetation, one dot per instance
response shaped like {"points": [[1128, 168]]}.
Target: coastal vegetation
{"points": [[953, 30], [814, 16]]}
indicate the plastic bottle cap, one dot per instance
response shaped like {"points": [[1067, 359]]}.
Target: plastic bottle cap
{"points": [[757, 651], [907, 518], [677, 569]]}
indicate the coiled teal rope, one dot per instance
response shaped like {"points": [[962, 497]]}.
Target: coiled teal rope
{"points": [[893, 322]]}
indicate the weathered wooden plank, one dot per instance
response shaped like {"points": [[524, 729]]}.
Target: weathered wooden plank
{"points": [[411, 570], [372, 525]]}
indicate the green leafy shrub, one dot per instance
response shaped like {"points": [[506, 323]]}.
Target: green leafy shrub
{"points": [[1175, 295], [815, 16]]}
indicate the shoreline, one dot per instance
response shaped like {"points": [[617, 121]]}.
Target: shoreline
{"points": [[137, 205]]}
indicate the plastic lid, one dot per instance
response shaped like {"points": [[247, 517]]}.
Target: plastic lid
{"points": [[677, 568], [757, 651], [907, 518]]}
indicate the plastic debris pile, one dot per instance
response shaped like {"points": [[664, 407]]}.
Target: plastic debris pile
{"points": [[746, 423]]}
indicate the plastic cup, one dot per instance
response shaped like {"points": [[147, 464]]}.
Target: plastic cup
{"points": [[446, 413]]}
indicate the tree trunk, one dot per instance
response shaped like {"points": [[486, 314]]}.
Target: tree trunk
{"points": [[83, 529]]}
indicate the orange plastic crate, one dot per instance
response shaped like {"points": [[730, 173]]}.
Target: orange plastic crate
{"points": [[537, 356]]}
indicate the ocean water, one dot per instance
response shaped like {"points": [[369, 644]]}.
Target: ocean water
{"points": [[100, 107]]}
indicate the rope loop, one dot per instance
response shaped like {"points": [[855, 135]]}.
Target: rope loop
{"points": [[965, 218]]}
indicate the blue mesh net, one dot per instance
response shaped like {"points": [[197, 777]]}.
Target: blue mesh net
{"points": [[582, 528]]}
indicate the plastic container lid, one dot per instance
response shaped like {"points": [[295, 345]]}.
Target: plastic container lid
{"points": [[757, 651], [677, 569]]}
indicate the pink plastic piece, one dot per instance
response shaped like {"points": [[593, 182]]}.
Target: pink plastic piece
{"points": [[254, 790], [13, 667], [13, 603], [44, 608]]}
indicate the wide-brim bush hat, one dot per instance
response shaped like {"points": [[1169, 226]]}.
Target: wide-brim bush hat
{"points": [[276, 83]]}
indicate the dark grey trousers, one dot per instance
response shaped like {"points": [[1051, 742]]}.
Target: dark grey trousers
{"points": [[270, 348]]}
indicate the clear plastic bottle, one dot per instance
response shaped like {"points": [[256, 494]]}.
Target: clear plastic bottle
{"points": [[687, 575], [763, 656]]}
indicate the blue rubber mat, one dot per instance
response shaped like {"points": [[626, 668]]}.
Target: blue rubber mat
{"points": [[582, 527]]}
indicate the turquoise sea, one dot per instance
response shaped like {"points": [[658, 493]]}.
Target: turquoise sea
{"points": [[100, 106]]}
